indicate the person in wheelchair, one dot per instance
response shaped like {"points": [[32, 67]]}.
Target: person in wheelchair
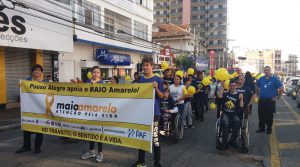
{"points": [[230, 120], [168, 109]]}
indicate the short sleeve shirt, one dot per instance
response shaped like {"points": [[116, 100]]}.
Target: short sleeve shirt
{"points": [[268, 88]]}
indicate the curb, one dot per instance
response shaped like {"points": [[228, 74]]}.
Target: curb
{"points": [[10, 127]]}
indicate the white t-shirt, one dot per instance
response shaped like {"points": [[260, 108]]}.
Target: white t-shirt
{"points": [[178, 92]]}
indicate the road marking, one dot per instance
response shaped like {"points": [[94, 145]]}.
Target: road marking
{"points": [[294, 145], [275, 155], [17, 138], [297, 116]]}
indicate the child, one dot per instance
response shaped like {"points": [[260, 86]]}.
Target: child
{"points": [[149, 77], [167, 108], [96, 79]]}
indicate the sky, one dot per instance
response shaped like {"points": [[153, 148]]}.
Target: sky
{"points": [[264, 24]]}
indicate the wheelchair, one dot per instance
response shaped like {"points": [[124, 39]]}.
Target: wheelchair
{"points": [[243, 134], [175, 127]]}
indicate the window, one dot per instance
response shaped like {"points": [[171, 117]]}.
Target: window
{"points": [[211, 42], [203, 8], [211, 7], [173, 10], [109, 26], [211, 24], [202, 34], [219, 32], [219, 41], [165, 12], [140, 30], [141, 2], [157, 12], [220, 7], [88, 13], [211, 16], [195, 9], [202, 25], [180, 10], [220, 15], [66, 2], [202, 17], [194, 17]]}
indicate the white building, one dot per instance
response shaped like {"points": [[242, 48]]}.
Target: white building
{"points": [[105, 34]]}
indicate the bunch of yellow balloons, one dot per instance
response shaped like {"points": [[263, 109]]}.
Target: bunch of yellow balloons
{"points": [[226, 84], [89, 75], [221, 74]]}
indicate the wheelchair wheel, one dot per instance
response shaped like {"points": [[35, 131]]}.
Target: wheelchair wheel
{"points": [[179, 129], [244, 136], [218, 133]]}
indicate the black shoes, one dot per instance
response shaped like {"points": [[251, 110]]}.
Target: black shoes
{"points": [[22, 150], [260, 131], [269, 132], [37, 150]]}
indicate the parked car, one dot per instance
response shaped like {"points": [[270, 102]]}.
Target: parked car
{"points": [[291, 84], [297, 90]]}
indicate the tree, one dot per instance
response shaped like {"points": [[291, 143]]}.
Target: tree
{"points": [[183, 62]]}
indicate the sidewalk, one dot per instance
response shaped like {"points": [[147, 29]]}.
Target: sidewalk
{"points": [[10, 119]]}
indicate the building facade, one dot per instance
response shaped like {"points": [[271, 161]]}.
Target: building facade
{"points": [[257, 60], [30, 37], [208, 18], [113, 34]]}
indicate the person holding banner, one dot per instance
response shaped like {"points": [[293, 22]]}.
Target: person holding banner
{"points": [[149, 77], [37, 75], [96, 79]]}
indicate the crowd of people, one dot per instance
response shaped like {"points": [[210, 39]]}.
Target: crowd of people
{"points": [[191, 95]]}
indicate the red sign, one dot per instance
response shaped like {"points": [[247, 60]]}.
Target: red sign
{"points": [[212, 62]]}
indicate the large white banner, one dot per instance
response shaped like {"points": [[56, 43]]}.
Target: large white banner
{"points": [[119, 114], [27, 28]]}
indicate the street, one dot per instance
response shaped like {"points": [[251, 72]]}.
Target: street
{"points": [[197, 148]]}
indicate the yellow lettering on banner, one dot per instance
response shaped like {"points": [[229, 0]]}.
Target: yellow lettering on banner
{"points": [[138, 91], [109, 139], [90, 122]]}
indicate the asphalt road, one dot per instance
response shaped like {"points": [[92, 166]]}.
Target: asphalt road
{"points": [[196, 149]]}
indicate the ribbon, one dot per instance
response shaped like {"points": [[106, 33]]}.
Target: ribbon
{"points": [[49, 103]]}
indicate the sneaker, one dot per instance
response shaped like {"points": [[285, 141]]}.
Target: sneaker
{"points": [[139, 164], [99, 157], [22, 150], [88, 154], [191, 126], [37, 150], [162, 132], [157, 164]]}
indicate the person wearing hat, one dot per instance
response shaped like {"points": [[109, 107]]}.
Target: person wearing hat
{"points": [[167, 77]]}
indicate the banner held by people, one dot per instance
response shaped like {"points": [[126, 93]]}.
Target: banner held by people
{"points": [[118, 114]]}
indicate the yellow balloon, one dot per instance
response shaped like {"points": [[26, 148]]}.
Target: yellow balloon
{"points": [[89, 75], [258, 76], [190, 71], [191, 90], [230, 76], [226, 84], [212, 106], [179, 73], [235, 74], [256, 99], [164, 65], [205, 81], [127, 78], [222, 74]]}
